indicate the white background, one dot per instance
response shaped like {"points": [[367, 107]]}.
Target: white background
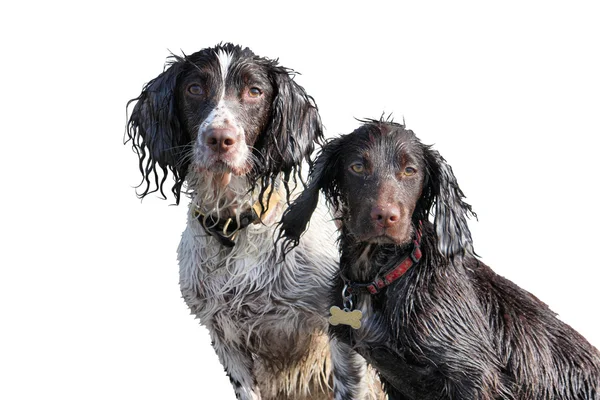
{"points": [[89, 300]]}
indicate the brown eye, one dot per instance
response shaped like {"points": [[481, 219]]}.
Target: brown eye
{"points": [[408, 171], [358, 168], [195, 89], [254, 92]]}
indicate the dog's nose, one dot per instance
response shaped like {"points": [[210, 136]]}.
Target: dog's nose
{"points": [[386, 216], [221, 140]]}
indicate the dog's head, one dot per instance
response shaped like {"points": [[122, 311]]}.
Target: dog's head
{"points": [[381, 181], [222, 110]]}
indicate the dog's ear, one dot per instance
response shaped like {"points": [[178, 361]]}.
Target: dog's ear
{"points": [[294, 127], [323, 176], [156, 132], [451, 212]]}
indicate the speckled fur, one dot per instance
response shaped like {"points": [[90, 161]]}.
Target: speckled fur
{"points": [[264, 316], [228, 125]]}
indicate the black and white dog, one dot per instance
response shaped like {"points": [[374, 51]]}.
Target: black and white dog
{"points": [[412, 298], [233, 129]]}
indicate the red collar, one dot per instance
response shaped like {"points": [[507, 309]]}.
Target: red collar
{"points": [[391, 275]]}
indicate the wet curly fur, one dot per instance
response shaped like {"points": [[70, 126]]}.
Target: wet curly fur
{"points": [[450, 328], [229, 126]]}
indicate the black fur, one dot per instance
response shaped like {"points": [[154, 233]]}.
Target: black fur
{"points": [[154, 129], [450, 328]]}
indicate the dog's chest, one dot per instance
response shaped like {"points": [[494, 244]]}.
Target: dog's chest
{"points": [[373, 323], [249, 290], [238, 276], [373, 330]]}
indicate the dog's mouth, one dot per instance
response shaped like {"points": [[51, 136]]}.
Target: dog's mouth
{"points": [[375, 235], [220, 166], [380, 235], [380, 239]]}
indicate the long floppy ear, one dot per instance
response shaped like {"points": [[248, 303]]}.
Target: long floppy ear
{"points": [[294, 128], [451, 212], [323, 176], [156, 133]]}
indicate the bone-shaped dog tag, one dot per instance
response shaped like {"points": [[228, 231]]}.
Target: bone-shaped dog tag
{"points": [[339, 316]]}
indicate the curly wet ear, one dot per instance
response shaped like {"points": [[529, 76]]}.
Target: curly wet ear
{"points": [[323, 176], [156, 133], [294, 128], [451, 212], [295, 219]]}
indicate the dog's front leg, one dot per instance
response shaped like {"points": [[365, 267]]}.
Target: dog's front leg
{"points": [[238, 364], [349, 369]]}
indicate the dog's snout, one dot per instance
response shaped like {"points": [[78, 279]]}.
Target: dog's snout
{"points": [[386, 216], [221, 140]]}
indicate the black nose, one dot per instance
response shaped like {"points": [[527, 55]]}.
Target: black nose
{"points": [[221, 140], [386, 216]]}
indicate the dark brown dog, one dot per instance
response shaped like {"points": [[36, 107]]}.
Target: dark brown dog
{"points": [[437, 323]]}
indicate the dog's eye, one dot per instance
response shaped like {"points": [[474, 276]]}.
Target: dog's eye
{"points": [[254, 92], [195, 90], [408, 171], [358, 168]]}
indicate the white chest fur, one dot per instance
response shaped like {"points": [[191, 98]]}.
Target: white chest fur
{"points": [[252, 286]]}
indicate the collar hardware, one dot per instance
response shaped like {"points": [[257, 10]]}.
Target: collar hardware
{"points": [[226, 230]]}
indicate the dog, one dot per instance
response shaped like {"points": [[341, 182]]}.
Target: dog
{"points": [[233, 129], [412, 297]]}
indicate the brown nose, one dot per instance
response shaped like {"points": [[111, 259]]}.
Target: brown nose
{"points": [[221, 140], [385, 216]]}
